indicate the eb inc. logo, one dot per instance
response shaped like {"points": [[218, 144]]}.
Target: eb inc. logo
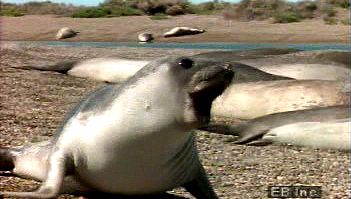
{"points": [[294, 191]]}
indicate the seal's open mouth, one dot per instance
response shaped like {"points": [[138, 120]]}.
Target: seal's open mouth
{"points": [[208, 84]]}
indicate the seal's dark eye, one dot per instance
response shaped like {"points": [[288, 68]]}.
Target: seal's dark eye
{"points": [[186, 63]]}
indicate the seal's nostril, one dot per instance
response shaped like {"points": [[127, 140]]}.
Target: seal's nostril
{"points": [[226, 66], [228, 74]]}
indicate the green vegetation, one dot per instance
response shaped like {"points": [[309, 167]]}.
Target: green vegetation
{"points": [[287, 17], [91, 13], [35, 8], [97, 12], [12, 12], [281, 11], [346, 21], [339, 3], [330, 20], [285, 12]]}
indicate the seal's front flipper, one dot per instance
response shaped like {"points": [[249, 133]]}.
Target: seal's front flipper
{"points": [[6, 160], [52, 185], [60, 67], [200, 186], [7, 174]]}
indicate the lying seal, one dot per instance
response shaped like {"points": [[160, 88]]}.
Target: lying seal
{"points": [[116, 70], [133, 138], [322, 65], [65, 33], [145, 37], [111, 70], [278, 96], [323, 135], [251, 132], [181, 31]]}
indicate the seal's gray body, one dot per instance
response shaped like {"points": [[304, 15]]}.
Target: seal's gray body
{"points": [[322, 65], [256, 99], [112, 70], [251, 132], [249, 65], [117, 70], [324, 135], [133, 139], [244, 72]]}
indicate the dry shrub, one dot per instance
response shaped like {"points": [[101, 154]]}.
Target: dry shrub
{"points": [[175, 10], [152, 7], [339, 3], [307, 9], [284, 11], [259, 9]]}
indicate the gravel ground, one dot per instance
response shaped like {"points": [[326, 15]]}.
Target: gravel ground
{"points": [[33, 103]]}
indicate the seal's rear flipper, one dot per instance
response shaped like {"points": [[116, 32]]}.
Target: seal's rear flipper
{"points": [[53, 183], [6, 159], [60, 67]]}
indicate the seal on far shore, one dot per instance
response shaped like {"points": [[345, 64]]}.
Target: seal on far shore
{"points": [[65, 33], [134, 138]]}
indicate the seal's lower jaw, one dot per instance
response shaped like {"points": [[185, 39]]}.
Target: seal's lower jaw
{"points": [[206, 90]]}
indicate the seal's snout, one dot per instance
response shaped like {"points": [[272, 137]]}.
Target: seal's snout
{"points": [[207, 84], [213, 78]]}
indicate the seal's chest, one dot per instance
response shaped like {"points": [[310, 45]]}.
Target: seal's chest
{"points": [[140, 166]]}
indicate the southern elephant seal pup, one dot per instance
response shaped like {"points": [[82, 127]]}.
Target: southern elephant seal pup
{"points": [[133, 138], [145, 37], [181, 31], [111, 70], [65, 33], [322, 65], [323, 135], [252, 131], [256, 99]]}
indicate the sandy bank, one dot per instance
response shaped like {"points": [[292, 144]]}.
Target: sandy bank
{"points": [[44, 27]]}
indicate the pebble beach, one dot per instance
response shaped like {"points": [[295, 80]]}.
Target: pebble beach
{"points": [[33, 103]]}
